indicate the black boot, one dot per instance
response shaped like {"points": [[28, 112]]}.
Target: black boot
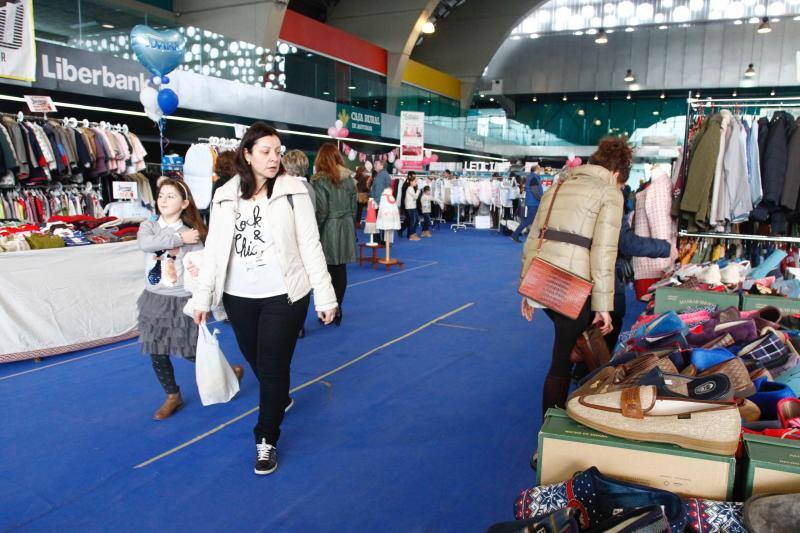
{"points": [[555, 393]]}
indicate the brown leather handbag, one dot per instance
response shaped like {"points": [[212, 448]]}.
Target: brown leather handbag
{"points": [[551, 286]]}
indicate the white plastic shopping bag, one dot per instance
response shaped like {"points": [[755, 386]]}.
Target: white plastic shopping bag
{"points": [[216, 380]]}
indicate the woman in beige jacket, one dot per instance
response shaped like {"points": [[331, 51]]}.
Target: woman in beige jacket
{"points": [[261, 260], [581, 238]]}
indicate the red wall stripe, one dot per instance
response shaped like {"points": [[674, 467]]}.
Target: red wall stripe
{"points": [[319, 37]]}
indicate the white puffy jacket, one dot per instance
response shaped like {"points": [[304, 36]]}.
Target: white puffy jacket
{"points": [[294, 229]]}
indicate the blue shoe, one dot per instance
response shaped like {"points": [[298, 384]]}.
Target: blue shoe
{"points": [[666, 324], [767, 396], [703, 359], [772, 262]]}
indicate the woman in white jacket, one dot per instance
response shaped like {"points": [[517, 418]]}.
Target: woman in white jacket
{"points": [[261, 260]]}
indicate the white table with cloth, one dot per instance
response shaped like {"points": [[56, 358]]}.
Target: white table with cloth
{"points": [[62, 300]]}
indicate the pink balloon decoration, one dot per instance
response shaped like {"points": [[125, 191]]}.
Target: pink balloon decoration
{"points": [[344, 132], [434, 158], [332, 131]]}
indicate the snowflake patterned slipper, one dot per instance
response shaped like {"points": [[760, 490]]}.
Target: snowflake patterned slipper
{"points": [[705, 516], [598, 499]]}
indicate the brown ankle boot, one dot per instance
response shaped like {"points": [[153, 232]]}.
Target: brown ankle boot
{"points": [[170, 405], [239, 371]]}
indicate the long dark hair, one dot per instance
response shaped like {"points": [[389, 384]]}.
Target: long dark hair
{"points": [[247, 178], [329, 161], [189, 216]]}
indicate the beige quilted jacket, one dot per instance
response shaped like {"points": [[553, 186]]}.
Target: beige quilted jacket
{"points": [[589, 204]]}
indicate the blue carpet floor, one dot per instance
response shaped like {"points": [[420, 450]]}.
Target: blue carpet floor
{"points": [[430, 428]]}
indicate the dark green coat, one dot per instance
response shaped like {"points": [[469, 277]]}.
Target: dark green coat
{"points": [[336, 210]]}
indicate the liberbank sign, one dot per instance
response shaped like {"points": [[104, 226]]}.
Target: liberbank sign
{"points": [[61, 68]]}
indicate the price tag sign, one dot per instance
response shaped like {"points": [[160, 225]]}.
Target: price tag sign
{"points": [[40, 104], [125, 190]]}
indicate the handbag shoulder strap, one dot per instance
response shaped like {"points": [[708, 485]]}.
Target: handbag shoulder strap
{"points": [[549, 212]]}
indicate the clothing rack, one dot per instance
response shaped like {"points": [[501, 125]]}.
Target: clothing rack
{"points": [[693, 104], [738, 237]]}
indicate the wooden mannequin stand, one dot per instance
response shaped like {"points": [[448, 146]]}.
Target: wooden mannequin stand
{"points": [[388, 261]]}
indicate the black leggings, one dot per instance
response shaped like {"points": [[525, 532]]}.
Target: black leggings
{"points": [[339, 280], [567, 332], [165, 372], [266, 330], [617, 317]]}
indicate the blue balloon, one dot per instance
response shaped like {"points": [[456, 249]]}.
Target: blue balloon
{"points": [[160, 52], [167, 101], [164, 80]]}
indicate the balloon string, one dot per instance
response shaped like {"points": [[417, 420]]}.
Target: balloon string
{"points": [[161, 142]]}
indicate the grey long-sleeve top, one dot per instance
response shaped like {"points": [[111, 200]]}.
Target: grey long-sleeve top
{"points": [[157, 236]]}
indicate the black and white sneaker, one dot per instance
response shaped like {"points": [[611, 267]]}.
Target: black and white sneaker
{"points": [[266, 458], [289, 405]]}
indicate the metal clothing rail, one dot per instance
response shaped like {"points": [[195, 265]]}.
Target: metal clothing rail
{"points": [[773, 99], [232, 125], [739, 237]]}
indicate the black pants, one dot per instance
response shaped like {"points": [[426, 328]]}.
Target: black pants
{"points": [[617, 316], [567, 332], [266, 330], [359, 212], [339, 280]]}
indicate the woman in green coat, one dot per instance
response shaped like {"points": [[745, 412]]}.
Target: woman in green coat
{"points": [[336, 206]]}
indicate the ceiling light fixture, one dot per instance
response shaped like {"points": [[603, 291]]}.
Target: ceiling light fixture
{"points": [[772, 92], [629, 77], [764, 27], [663, 27], [565, 98], [535, 99], [734, 94], [697, 94], [352, 87], [628, 96], [596, 98], [750, 72], [663, 96], [738, 22], [602, 37], [108, 26], [428, 28]]}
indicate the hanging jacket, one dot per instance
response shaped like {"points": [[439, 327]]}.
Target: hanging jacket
{"points": [[775, 158], [335, 208], [763, 133], [739, 202], [589, 204], [793, 167], [695, 202], [653, 220], [754, 164]]}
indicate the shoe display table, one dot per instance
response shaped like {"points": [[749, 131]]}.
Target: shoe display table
{"points": [[67, 299]]}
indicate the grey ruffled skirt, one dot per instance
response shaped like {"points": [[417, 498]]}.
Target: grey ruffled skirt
{"points": [[164, 328]]}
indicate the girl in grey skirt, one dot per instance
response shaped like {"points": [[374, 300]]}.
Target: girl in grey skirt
{"points": [[164, 329]]}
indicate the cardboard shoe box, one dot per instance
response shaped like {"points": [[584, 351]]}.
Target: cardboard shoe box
{"points": [[678, 300], [787, 306], [566, 447], [772, 466]]}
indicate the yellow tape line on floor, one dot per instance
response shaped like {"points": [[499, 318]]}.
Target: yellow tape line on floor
{"points": [[306, 384]]}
